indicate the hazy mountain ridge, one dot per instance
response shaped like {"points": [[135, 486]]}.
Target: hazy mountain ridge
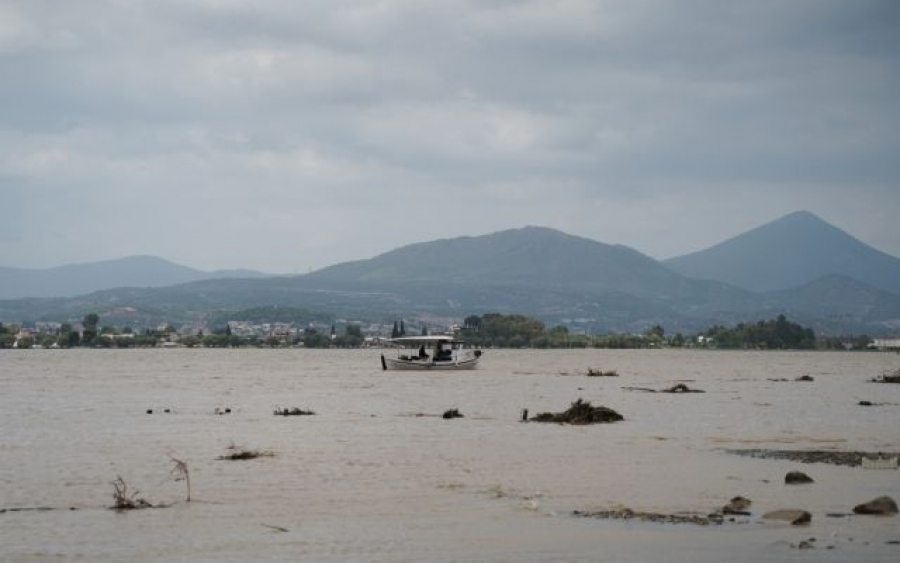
{"points": [[837, 301], [533, 270], [531, 256], [790, 252], [79, 279]]}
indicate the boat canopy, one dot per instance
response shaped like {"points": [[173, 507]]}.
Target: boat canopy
{"points": [[427, 339]]}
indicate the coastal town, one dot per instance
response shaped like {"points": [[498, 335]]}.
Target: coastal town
{"points": [[494, 330]]}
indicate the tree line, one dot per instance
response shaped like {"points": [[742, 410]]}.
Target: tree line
{"points": [[517, 331], [487, 330]]}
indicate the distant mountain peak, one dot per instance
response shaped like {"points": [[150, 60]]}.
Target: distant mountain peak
{"points": [[529, 255], [789, 252]]}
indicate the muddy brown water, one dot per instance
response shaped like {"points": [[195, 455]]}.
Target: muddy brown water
{"points": [[378, 475]]}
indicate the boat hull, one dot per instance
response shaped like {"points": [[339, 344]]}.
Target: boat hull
{"points": [[395, 364]]}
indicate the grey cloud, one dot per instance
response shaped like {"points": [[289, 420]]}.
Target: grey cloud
{"points": [[249, 124]]}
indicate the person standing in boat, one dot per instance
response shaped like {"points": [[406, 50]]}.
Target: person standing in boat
{"points": [[422, 354], [440, 353]]}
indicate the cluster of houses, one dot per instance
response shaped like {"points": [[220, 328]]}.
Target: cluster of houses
{"points": [[46, 334]]}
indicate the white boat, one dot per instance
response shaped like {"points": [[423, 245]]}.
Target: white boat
{"points": [[431, 352]]}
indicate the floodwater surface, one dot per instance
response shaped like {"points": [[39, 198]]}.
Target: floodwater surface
{"points": [[376, 474]]}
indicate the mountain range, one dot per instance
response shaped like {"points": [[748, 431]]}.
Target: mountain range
{"points": [[798, 265], [78, 279]]}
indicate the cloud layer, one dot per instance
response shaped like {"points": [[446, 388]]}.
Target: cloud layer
{"points": [[287, 136]]}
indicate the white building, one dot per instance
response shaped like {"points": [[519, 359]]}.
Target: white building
{"points": [[885, 343]]}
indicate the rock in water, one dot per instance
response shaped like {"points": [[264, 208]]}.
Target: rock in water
{"points": [[737, 505], [797, 478], [881, 506], [795, 516]]}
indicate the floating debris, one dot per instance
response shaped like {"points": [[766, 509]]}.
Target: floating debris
{"points": [[239, 454], [629, 514], [893, 377], [682, 388], [31, 509], [678, 388], [292, 412], [123, 500], [849, 459], [581, 412], [591, 372]]}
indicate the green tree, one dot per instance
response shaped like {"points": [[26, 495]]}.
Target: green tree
{"points": [[190, 341], [89, 329], [504, 331], [558, 336], [778, 333], [656, 332], [74, 339]]}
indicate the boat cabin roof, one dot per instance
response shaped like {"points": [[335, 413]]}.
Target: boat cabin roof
{"points": [[428, 339]]}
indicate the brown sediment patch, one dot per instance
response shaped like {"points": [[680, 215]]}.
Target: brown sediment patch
{"points": [[847, 459]]}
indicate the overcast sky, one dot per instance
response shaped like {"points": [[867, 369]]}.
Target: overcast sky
{"points": [[286, 136]]}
